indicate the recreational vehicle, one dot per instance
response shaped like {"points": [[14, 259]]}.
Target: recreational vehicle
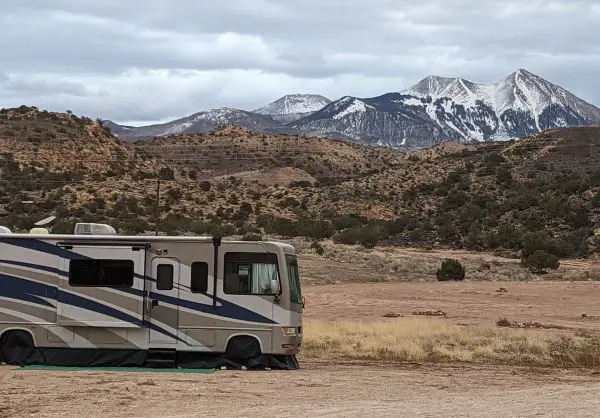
{"points": [[96, 298]]}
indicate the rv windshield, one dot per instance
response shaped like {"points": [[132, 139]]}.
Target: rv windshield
{"points": [[294, 279]]}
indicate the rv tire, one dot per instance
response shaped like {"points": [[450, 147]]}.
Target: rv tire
{"points": [[244, 350], [14, 346]]}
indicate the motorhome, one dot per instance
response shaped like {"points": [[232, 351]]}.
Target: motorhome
{"points": [[96, 298]]}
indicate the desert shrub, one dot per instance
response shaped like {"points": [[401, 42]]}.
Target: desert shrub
{"points": [[174, 194], [166, 173], [300, 184], [416, 235], [534, 241], [288, 202], [204, 186], [540, 261], [503, 175], [224, 230], [318, 229], [280, 226], [134, 225], [398, 225], [345, 222], [252, 237], [455, 200], [367, 235], [578, 217], [175, 223], [572, 244], [317, 247], [450, 270], [503, 322], [233, 199]]}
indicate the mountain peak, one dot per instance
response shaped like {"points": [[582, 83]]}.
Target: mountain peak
{"points": [[293, 106], [432, 84], [523, 71]]}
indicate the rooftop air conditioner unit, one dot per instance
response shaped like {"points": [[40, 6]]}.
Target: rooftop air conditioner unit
{"points": [[38, 231], [94, 229], [5, 230]]}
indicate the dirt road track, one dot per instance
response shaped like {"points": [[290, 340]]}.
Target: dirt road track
{"points": [[317, 390]]}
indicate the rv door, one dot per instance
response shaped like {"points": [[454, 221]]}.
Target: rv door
{"points": [[163, 300], [102, 286], [250, 288]]}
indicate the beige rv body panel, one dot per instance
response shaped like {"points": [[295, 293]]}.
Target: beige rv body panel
{"points": [[36, 295]]}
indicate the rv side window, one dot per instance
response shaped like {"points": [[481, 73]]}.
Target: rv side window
{"points": [[251, 274], [199, 278], [101, 273], [164, 277]]}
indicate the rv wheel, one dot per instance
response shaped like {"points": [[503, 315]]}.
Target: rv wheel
{"points": [[244, 351], [13, 345]]}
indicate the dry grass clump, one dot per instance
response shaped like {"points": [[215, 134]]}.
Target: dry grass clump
{"points": [[436, 340]]}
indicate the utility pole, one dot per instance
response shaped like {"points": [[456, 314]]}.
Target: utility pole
{"points": [[157, 208]]}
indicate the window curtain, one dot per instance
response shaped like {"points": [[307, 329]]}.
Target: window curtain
{"points": [[262, 274]]}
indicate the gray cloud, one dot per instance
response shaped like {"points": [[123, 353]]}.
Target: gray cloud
{"points": [[43, 87], [155, 60]]}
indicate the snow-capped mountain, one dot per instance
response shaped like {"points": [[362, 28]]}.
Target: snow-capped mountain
{"points": [[434, 110], [202, 122], [439, 108], [293, 107], [393, 119]]}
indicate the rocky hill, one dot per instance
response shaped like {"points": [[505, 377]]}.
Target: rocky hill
{"points": [[499, 195]]}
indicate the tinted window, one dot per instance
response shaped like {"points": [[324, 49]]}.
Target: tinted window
{"points": [[102, 273], [199, 280], [164, 277], [251, 274]]}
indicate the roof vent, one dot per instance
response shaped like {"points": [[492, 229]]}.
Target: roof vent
{"points": [[94, 229], [38, 231], [5, 230]]}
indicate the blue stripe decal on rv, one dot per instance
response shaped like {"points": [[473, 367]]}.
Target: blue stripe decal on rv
{"points": [[33, 266], [227, 309], [27, 291], [41, 246], [18, 288]]}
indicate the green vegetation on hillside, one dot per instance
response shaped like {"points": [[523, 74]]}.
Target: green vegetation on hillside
{"points": [[539, 194]]}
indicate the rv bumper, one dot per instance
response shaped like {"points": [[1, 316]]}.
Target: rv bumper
{"points": [[287, 341]]}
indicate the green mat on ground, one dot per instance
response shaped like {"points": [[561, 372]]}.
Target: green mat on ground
{"points": [[116, 369]]}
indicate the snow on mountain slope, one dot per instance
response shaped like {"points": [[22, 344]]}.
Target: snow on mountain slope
{"points": [[460, 109], [434, 110], [521, 91], [204, 122], [293, 107]]}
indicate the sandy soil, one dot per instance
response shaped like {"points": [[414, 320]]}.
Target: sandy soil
{"points": [[317, 390], [559, 304]]}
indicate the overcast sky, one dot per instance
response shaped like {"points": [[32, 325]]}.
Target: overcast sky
{"points": [[146, 61]]}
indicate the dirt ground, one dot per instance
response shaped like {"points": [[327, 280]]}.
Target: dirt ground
{"points": [[342, 390], [316, 390], [359, 389], [560, 304]]}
